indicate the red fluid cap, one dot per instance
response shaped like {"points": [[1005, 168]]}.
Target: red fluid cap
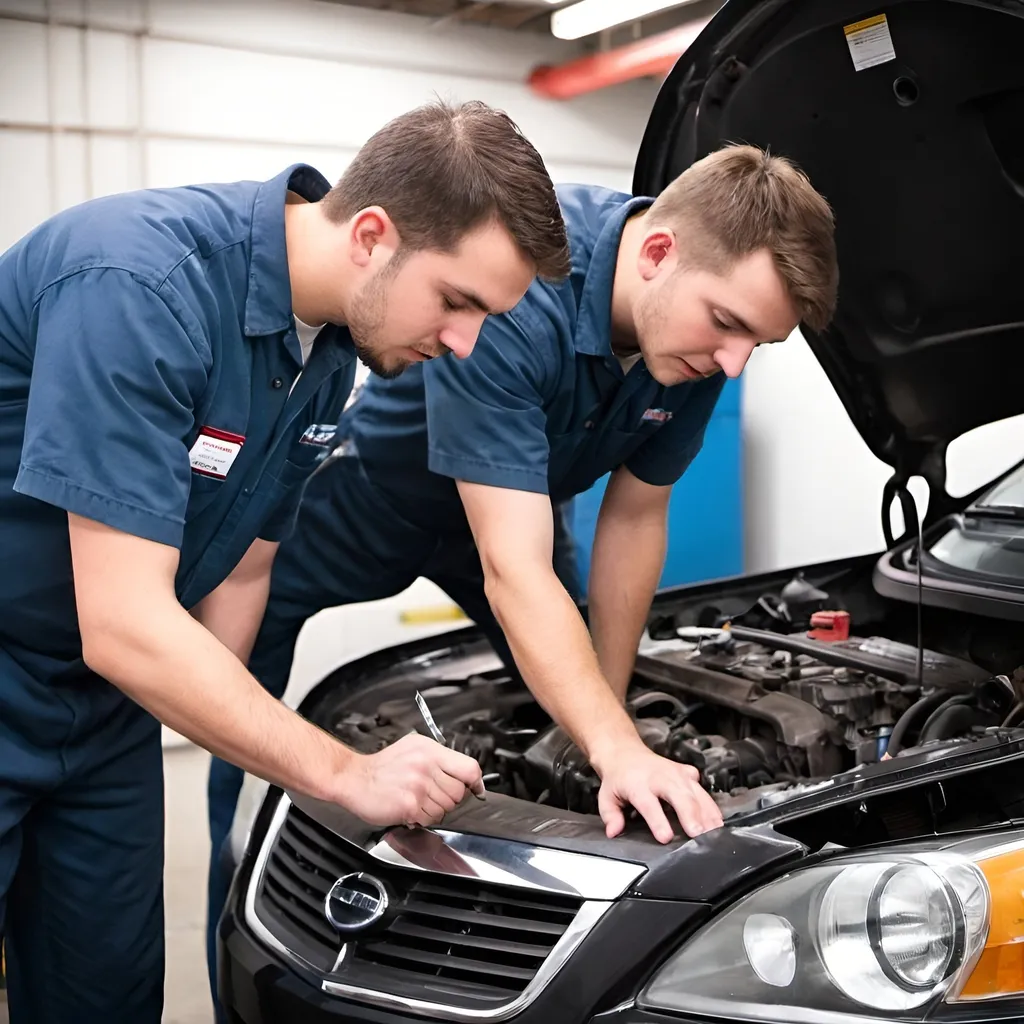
{"points": [[830, 626]]}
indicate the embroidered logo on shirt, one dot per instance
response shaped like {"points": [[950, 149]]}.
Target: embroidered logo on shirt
{"points": [[319, 434], [656, 416], [214, 452]]}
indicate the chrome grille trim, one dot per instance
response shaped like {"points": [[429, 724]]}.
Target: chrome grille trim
{"points": [[590, 912]]}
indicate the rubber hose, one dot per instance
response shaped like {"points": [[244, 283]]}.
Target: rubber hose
{"points": [[939, 712], [923, 706], [947, 722]]}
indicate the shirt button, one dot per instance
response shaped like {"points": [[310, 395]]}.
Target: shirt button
{"points": [[277, 382]]}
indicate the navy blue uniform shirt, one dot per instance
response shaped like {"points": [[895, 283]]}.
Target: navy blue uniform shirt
{"points": [[151, 379], [542, 404]]}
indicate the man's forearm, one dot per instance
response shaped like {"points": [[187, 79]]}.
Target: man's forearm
{"points": [[627, 562], [234, 611], [187, 679], [553, 651]]}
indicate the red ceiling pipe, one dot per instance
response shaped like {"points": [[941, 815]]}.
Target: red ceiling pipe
{"points": [[655, 55]]}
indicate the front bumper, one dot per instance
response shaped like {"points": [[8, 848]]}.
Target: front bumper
{"points": [[256, 987]]}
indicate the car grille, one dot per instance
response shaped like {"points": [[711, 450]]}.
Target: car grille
{"points": [[473, 938]]}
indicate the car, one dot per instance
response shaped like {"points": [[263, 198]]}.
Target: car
{"points": [[860, 722]]}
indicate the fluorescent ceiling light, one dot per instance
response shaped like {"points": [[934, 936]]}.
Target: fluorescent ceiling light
{"points": [[590, 16]]}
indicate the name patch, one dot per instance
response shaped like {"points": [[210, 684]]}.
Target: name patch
{"points": [[656, 416], [214, 452]]}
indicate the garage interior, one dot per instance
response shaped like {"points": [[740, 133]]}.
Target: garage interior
{"points": [[105, 96]]}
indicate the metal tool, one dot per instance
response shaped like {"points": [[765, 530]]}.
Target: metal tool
{"points": [[434, 730], [429, 719]]}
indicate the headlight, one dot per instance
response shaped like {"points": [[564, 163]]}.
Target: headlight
{"points": [[856, 936]]}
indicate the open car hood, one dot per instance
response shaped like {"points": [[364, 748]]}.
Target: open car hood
{"points": [[922, 159]]}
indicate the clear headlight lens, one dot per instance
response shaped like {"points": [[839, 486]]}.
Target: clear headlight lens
{"points": [[851, 937], [770, 944], [917, 927], [887, 941]]}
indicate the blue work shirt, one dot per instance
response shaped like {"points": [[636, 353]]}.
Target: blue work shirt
{"points": [[151, 379], [542, 404]]}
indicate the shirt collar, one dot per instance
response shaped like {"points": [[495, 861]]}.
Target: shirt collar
{"points": [[594, 322], [268, 304]]}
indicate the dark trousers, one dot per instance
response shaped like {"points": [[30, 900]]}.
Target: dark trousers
{"points": [[349, 546], [81, 850]]}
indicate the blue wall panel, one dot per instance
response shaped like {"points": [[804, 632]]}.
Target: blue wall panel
{"points": [[705, 533]]}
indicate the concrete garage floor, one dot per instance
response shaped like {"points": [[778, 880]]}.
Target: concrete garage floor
{"points": [[187, 993], [186, 988]]}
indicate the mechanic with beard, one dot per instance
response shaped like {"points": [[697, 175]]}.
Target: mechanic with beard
{"points": [[162, 400], [617, 369]]}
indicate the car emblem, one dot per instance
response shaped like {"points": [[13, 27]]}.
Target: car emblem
{"points": [[355, 902]]}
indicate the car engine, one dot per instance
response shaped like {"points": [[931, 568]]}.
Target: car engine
{"points": [[758, 712]]}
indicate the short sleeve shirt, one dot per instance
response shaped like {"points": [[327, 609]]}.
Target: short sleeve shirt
{"points": [[542, 404], [151, 380]]}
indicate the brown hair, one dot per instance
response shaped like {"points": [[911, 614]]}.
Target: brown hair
{"points": [[442, 170], [739, 200]]}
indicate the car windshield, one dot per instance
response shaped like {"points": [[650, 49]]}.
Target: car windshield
{"points": [[991, 547], [1007, 495]]}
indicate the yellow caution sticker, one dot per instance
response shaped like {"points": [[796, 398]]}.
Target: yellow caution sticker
{"points": [[870, 42], [426, 615]]}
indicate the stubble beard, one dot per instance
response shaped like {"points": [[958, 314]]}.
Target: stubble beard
{"points": [[366, 323]]}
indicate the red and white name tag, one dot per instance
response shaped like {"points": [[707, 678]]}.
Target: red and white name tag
{"points": [[214, 452]]}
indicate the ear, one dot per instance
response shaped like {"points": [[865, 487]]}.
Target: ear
{"points": [[372, 237], [658, 253]]}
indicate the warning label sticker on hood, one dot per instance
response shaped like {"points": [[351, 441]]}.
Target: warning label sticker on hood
{"points": [[870, 42]]}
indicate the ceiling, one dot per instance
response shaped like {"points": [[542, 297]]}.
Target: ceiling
{"points": [[525, 15], [534, 16]]}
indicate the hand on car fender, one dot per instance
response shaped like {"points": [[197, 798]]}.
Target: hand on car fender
{"points": [[415, 781], [643, 779]]}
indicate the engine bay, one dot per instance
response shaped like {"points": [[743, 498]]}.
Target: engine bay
{"points": [[763, 704]]}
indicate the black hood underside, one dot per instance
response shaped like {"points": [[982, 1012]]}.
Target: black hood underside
{"points": [[922, 160]]}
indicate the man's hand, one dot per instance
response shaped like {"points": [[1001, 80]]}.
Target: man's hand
{"points": [[137, 636], [643, 779], [415, 781]]}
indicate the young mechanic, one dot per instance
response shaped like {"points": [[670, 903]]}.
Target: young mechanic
{"points": [[617, 369], [162, 398]]}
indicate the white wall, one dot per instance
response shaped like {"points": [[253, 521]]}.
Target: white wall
{"points": [[813, 489], [119, 94]]}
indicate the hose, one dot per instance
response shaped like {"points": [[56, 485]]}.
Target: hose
{"points": [[924, 706], [1014, 712], [947, 705], [947, 722]]}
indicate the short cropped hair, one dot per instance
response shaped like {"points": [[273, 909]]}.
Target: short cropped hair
{"points": [[443, 169], [740, 200]]}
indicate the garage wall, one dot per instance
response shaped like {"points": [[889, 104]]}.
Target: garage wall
{"points": [[813, 491], [98, 96]]}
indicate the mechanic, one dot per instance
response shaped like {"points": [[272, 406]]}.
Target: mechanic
{"points": [[617, 369], [168, 359]]}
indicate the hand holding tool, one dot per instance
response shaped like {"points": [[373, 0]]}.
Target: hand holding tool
{"points": [[434, 730]]}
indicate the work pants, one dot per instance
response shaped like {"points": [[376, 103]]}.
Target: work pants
{"points": [[81, 848]]}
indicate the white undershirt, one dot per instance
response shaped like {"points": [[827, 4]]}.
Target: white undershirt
{"points": [[307, 335], [628, 362]]}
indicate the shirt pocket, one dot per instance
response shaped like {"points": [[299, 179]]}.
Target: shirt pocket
{"points": [[202, 491], [302, 460]]}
